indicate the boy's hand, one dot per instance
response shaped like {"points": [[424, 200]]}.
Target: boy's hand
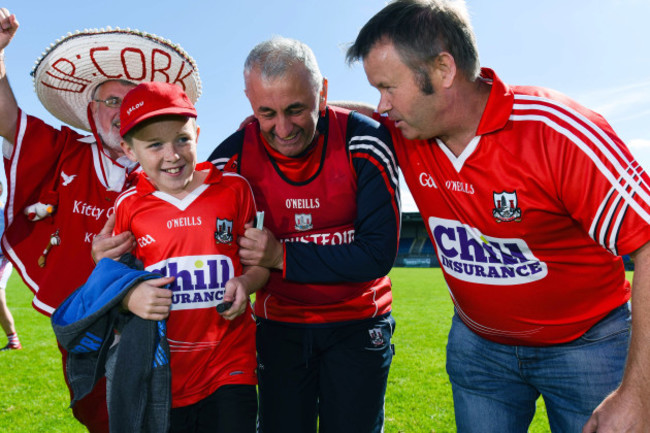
{"points": [[149, 299], [237, 293]]}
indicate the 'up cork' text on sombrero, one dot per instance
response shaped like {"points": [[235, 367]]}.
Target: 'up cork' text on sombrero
{"points": [[68, 72]]}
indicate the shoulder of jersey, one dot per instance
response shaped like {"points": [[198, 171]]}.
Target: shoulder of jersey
{"points": [[232, 177], [374, 143], [237, 181], [130, 192]]}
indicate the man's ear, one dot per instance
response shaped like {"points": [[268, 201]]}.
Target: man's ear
{"points": [[128, 151], [322, 100], [252, 116], [92, 108], [198, 132], [444, 69]]}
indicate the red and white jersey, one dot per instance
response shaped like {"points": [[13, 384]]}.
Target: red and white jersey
{"points": [[195, 240], [529, 220], [68, 171]]}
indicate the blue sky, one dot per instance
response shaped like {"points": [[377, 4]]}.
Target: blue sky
{"points": [[592, 50]]}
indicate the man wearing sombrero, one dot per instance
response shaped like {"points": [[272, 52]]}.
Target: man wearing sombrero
{"points": [[61, 184]]}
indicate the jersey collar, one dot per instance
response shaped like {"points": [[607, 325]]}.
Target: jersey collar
{"points": [[499, 105]]}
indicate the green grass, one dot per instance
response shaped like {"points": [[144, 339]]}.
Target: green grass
{"points": [[33, 394], [34, 397], [418, 398]]}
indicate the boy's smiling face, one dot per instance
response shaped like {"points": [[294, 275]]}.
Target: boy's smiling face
{"points": [[165, 147]]}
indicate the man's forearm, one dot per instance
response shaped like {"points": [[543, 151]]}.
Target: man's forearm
{"points": [[637, 370], [361, 107]]}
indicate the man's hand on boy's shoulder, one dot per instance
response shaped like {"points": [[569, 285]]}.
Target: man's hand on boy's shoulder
{"points": [[105, 245]]}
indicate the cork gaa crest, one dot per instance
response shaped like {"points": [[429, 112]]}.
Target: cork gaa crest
{"points": [[223, 234], [506, 208]]}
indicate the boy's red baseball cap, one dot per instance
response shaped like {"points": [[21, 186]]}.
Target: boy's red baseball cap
{"points": [[151, 99]]}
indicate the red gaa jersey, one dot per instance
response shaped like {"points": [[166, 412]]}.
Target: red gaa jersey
{"points": [[69, 172], [195, 240], [529, 221]]}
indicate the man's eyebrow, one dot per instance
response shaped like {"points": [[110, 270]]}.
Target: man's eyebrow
{"points": [[287, 108], [295, 105], [107, 97]]}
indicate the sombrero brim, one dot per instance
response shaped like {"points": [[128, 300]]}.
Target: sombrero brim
{"points": [[67, 73]]}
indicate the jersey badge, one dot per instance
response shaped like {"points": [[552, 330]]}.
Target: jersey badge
{"points": [[303, 222], [376, 337], [223, 234], [506, 208], [67, 179]]}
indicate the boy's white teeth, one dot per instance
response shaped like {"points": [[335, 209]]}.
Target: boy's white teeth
{"points": [[173, 170]]}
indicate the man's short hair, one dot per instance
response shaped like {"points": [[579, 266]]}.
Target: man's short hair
{"points": [[121, 81], [277, 55], [420, 30]]}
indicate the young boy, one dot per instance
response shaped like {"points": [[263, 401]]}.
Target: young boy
{"points": [[186, 219]]}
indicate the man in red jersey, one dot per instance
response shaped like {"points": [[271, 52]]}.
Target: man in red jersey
{"points": [[532, 260], [61, 184], [327, 181]]}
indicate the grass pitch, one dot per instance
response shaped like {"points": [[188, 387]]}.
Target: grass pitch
{"points": [[34, 397]]}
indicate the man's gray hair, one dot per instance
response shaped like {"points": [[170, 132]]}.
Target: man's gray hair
{"points": [[117, 80], [277, 55]]}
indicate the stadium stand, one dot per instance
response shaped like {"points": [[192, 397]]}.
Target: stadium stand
{"points": [[427, 247], [405, 245], [415, 248]]}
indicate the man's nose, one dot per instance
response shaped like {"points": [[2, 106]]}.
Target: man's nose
{"points": [[283, 126], [384, 105]]}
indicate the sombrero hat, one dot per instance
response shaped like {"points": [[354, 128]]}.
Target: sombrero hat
{"points": [[68, 72]]}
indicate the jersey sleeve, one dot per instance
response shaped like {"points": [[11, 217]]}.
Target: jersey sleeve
{"points": [[246, 204], [374, 249], [599, 182], [122, 216]]}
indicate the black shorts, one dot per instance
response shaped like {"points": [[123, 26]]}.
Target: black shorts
{"points": [[230, 409]]}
